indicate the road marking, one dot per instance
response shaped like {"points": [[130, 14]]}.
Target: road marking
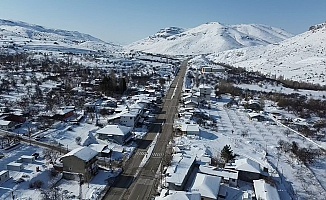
{"points": [[174, 90], [157, 154], [141, 153]]}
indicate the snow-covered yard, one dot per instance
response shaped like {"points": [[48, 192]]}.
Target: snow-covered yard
{"points": [[259, 141]]}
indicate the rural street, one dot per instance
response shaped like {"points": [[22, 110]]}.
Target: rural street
{"points": [[140, 183]]}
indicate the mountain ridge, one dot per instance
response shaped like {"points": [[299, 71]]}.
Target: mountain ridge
{"points": [[209, 38], [35, 37], [301, 58]]}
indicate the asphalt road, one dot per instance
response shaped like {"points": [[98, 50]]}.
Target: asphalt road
{"points": [[140, 182]]}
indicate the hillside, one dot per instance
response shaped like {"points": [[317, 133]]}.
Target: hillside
{"points": [[301, 58], [208, 38], [16, 36]]}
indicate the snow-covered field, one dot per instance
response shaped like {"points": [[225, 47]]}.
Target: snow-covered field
{"points": [[262, 140], [284, 90]]}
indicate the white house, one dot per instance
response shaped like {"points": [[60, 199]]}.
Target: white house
{"points": [[129, 119], [212, 69], [179, 195], [207, 185], [265, 191], [27, 159], [132, 117], [6, 125], [179, 171], [14, 166], [191, 104], [4, 176], [189, 97], [249, 170], [116, 133], [205, 92], [190, 129]]}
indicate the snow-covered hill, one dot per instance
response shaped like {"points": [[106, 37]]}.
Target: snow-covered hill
{"points": [[17, 36], [208, 38], [302, 57]]}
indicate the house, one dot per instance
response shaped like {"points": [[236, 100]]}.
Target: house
{"points": [[102, 149], [4, 176], [130, 118], [178, 173], [16, 117], [191, 104], [207, 185], [26, 159], [190, 129], [256, 116], [212, 69], [64, 113], [6, 125], [248, 169], [228, 176], [14, 166], [109, 103], [265, 191], [116, 133], [253, 105], [179, 195], [189, 97], [80, 161], [205, 92]]}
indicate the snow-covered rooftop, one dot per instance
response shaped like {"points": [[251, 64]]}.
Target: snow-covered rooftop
{"points": [[83, 153], [265, 191], [98, 147], [179, 195], [190, 127], [225, 173], [180, 167], [207, 185], [114, 130], [4, 122], [244, 164]]}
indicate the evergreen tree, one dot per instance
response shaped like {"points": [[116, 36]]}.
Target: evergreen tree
{"points": [[227, 153]]}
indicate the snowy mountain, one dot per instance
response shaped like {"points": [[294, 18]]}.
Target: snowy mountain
{"points": [[208, 38], [302, 57], [17, 36]]}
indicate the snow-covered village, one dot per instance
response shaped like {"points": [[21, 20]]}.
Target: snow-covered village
{"points": [[218, 111]]}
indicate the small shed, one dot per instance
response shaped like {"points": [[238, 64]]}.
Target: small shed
{"points": [[4, 176], [14, 166], [27, 159], [190, 129]]}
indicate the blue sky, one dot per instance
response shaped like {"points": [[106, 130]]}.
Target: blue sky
{"points": [[125, 21]]}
